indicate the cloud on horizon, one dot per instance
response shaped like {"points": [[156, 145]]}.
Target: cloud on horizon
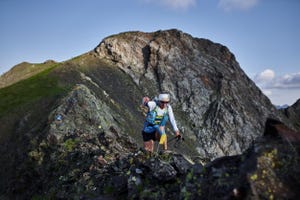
{"points": [[265, 76], [229, 5], [174, 4], [282, 87], [268, 80], [288, 81]]}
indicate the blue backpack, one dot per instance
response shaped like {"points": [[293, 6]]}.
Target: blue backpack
{"points": [[152, 117]]}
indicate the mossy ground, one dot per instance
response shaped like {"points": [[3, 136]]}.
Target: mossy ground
{"points": [[28, 91]]}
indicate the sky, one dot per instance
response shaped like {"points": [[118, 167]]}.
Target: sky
{"points": [[264, 35]]}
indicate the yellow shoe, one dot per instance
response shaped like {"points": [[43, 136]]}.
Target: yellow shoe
{"points": [[163, 139]]}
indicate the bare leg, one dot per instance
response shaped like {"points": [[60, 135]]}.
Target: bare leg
{"points": [[149, 145], [166, 144], [162, 130]]}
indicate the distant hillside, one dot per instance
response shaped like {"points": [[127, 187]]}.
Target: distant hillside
{"points": [[281, 106], [23, 71], [62, 125]]}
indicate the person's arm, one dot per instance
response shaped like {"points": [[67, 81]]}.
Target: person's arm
{"points": [[172, 120], [150, 104]]}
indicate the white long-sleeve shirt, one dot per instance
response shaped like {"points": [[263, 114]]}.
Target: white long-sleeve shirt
{"points": [[152, 105]]}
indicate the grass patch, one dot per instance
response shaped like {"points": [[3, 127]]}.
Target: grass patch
{"points": [[28, 91], [70, 144]]}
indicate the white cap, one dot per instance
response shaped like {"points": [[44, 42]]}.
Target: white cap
{"points": [[164, 97]]}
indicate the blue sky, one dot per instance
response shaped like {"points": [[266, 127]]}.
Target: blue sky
{"points": [[264, 35]]}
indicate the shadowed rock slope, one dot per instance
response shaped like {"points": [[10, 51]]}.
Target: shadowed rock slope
{"points": [[65, 128], [293, 113]]}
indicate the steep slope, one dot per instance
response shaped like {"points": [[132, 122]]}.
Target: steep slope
{"points": [[293, 113]]}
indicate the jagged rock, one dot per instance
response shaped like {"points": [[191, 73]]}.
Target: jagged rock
{"points": [[276, 128], [80, 112], [293, 114], [268, 169], [263, 171], [182, 164], [161, 170]]}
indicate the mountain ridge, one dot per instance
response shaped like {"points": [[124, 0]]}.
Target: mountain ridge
{"points": [[23, 71]]}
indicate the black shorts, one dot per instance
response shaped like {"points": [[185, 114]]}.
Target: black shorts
{"points": [[149, 136]]}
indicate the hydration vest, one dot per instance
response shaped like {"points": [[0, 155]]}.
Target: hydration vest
{"points": [[153, 119]]}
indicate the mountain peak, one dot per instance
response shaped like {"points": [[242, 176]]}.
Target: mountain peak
{"points": [[137, 52]]}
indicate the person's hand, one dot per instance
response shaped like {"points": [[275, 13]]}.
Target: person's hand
{"points": [[145, 100], [177, 135]]}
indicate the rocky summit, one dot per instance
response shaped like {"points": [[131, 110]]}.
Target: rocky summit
{"points": [[72, 130]]}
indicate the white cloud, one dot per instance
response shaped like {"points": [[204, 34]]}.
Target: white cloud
{"points": [[175, 4], [267, 92], [282, 89], [265, 76], [267, 80], [287, 81], [229, 5]]}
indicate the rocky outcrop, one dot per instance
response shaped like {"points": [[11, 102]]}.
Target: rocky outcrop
{"points": [[219, 105], [293, 114], [92, 166], [82, 134]]}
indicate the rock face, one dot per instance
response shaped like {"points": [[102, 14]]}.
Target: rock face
{"points": [[293, 113], [81, 136], [220, 106], [75, 132]]}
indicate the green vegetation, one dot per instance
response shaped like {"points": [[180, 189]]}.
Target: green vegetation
{"points": [[70, 144], [23, 71], [24, 93]]}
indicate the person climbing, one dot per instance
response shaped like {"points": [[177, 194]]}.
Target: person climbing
{"points": [[154, 126]]}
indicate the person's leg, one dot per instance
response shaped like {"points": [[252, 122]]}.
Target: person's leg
{"points": [[163, 137], [148, 139], [160, 136], [149, 145], [163, 132]]}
